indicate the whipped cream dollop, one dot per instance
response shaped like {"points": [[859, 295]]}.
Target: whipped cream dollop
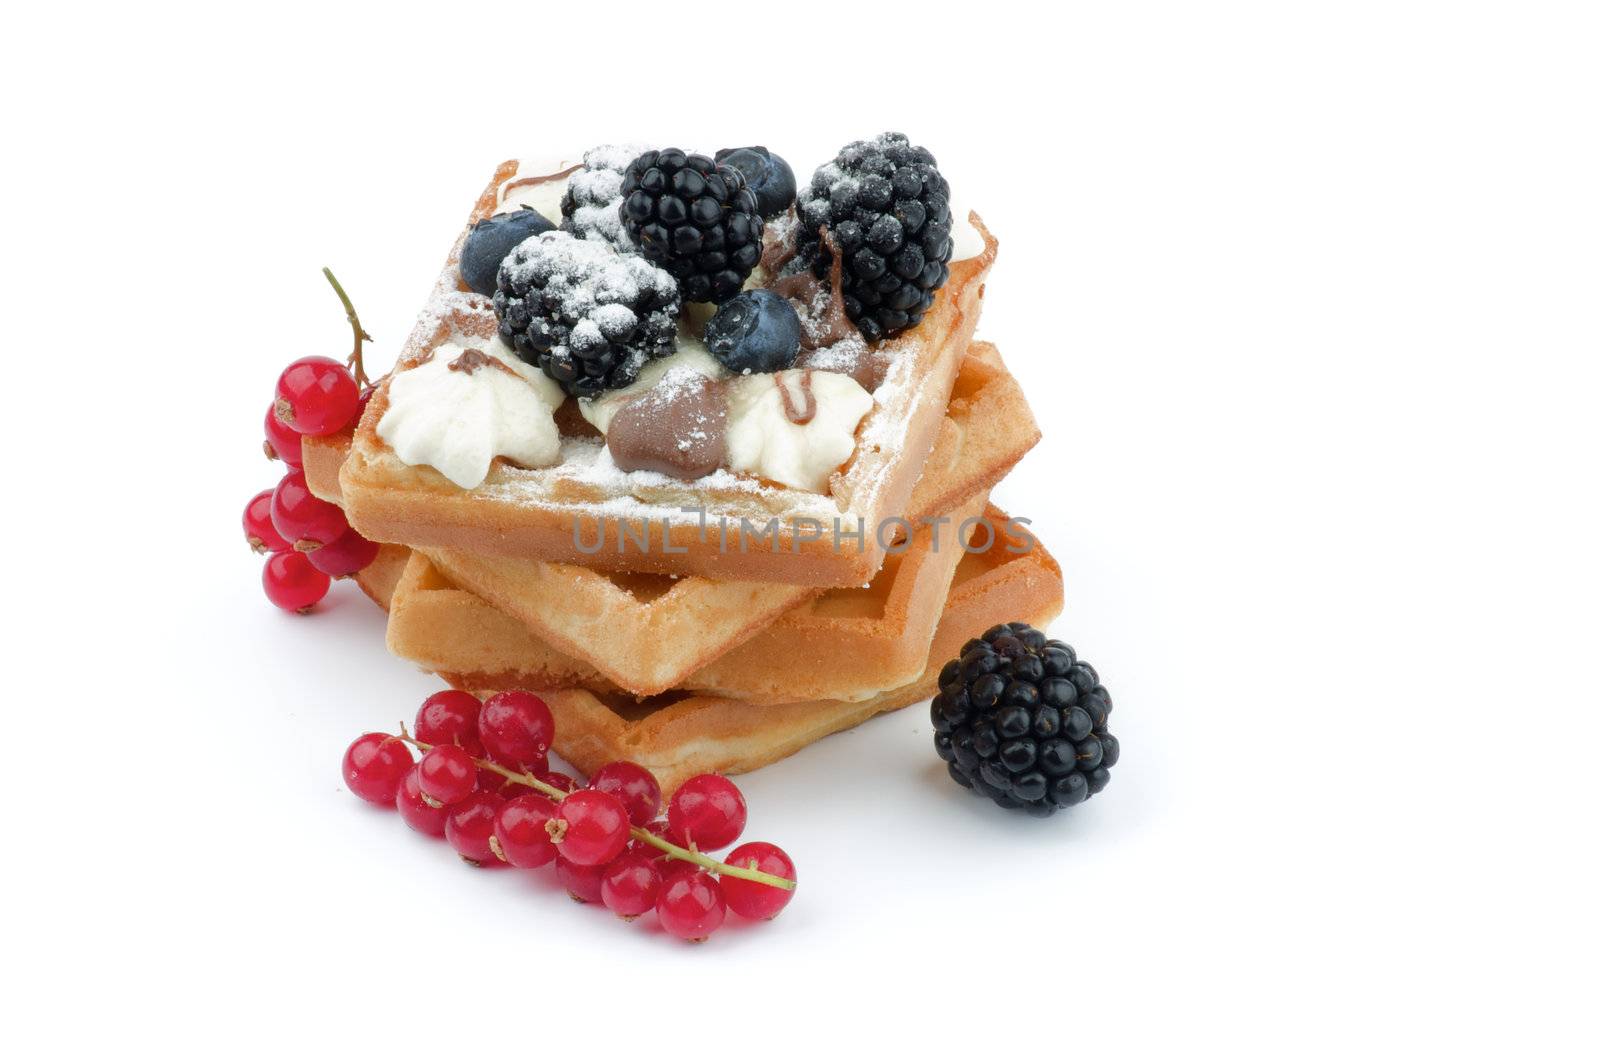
{"points": [[470, 402], [795, 427], [691, 359]]}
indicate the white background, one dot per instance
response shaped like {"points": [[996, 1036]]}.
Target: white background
{"points": [[1305, 297]]}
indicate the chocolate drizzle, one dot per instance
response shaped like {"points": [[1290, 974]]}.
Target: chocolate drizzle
{"points": [[473, 359], [528, 182], [806, 411], [823, 319]]}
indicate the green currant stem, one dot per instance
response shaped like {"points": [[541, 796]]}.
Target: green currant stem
{"points": [[671, 849], [354, 360]]}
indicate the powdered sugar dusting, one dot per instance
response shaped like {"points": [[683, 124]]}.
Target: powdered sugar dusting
{"points": [[592, 206]]}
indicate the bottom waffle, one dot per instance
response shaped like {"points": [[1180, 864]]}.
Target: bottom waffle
{"points": [[677, 735]]}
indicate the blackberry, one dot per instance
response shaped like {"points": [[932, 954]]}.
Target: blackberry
{"points": [[591, 205], [695, 218], [888, 208], [1022, 720], [586, 314]]}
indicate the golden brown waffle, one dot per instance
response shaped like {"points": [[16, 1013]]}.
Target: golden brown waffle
{"points": [[647, 633], [543, 513], [680, 734], [844, 644]]}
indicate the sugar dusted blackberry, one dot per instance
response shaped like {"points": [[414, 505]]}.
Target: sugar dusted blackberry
{"points": [[888, 207], [591, 205], [695, 218], [586, 314], [1021, 719]]}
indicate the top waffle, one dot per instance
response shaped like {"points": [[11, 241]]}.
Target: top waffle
{"points": [[583, 508]]}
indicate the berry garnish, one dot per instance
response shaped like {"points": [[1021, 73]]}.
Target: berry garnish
{"points": [[375, 765], [349, 554], [591, 827], [756, 331], [469, 825], [757, 901], [583, 882], [516, 728], [491, 240], [557, 779], [292, 583], [520, 833], [446, 775], [599, 854], [586, 313], [706, 813], [451, 717], [316, 396], [694, 218], [429, 820], [282, 442], [766, 174], [634, 785], [888, 209], [258, 528], [304, 518], [691, 905], [629, 884], [1021, 719]]}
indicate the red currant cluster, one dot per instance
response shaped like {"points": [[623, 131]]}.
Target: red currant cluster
{"points": [[308, 539], [607, 840]]}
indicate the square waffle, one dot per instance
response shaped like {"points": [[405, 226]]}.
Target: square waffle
{"points": [[844, 644], [645, 634], [543, 513], [680, 734]]}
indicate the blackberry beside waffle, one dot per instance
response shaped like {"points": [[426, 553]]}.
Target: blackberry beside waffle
{"points": [[1020, 719]]}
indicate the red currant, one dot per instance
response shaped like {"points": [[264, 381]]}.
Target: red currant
{"points": [[634, 786], [447, 775], [691, 905], [596, 827], [581, 881], [316, 395], [520, 835], [361, 403], [451, 716], [516, 728], [292, 582], [707, 813], [469, 825], [429, 820], [375, 765], [300, 516], [347, 555], [282, 443], [752, 900], [258, 528], [629, 885], [657, 828], [557, 779]]}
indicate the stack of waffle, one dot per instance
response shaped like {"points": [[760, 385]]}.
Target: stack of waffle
{"points": [[700, 657]]}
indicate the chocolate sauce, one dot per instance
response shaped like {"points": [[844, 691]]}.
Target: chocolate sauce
{"points": [[831, 326], [529, 182], [807, 411], [680, 429], [473, 359]]}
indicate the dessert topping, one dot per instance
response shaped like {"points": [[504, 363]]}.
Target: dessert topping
{"points": [[588, 315], [678, 428], [456, 419], [796, 427]]}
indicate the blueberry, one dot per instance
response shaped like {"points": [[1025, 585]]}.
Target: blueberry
{"points": [[768, 175], [492, 239], [757, 331]]}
